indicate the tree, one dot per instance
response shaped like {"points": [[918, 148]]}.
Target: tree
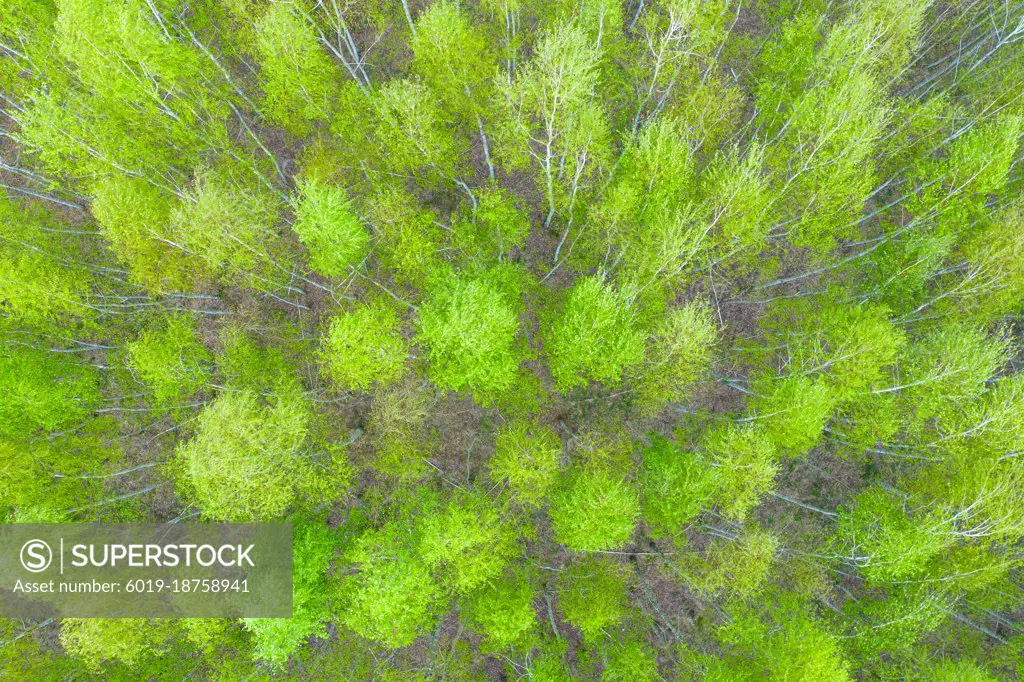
{"points": [[679, 354], [392, 597], [465, 541], [228, 227], [738, 567], [594, 509], [649, 214], [831, 130], [278, 638], [994, 253], [676, 485], [409, 129], [592, 595], [398, 429], [329, 228], [363, 348], [740, 199], [502, 610], [469, 329], [596, 336], [125, 640], [792, 411], [170, 360], [853, 347], [407, 237], [660, 339], [452, 59], [135, 217], [948, 369], [909, 613], [494, 227], [39, 287], [628, 660], [674, 38], [526, 457], [248, 362], [746, 460], [297, 76], [43, 391], [131, 99], [976, 166], [788, 643], [886, 542], [551, 120], [245, 462], [957, 671], [550, 663]]}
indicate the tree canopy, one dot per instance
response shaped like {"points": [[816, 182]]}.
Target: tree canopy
{"points": [[607, 340]]}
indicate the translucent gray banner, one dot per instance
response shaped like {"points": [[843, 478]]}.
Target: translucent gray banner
{"points": [[64, 570]]}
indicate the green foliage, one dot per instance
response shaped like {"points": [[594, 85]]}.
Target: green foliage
{"points": [[792, 412], [551, 121], [949, 369], [29, 490], [519, 312], [862, 345], [329, 228], [897, 623], [245, 461], [677, 485], [135, 217], [648, 214], [43, 391], [739, 567], [592, 595], [246, 362], [594, 509], [37, 288], [410, 131], [276, 639], [123, 640], [526, 456], [852, 347], [746, 460], [630, 660], [975, 167], [888, 543], [957, 671], [835, 120], [398, 428], [549, 665], [296, 74], [364, 347], [451, 57], [679, 354], [406, 236], [798, 647], [502, 610], [994, 254], [740, 199], [392, 599], [493, 228], [227, 226], [132, 99], [595, 338], [469, 329], [465, 541], [170, 360]]}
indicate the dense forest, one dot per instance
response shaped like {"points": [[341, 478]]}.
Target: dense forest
{"points": [[599, 339]]}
